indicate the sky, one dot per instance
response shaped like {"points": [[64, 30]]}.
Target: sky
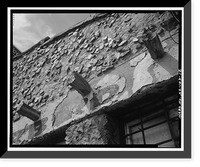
{"points": [[28, 29]]}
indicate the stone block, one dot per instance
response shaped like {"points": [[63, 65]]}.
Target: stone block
{"points": [[100, 129]]}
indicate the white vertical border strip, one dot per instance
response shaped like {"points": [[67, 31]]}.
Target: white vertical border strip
{"points": [[182, 81], [8, 76], [91, 149]]}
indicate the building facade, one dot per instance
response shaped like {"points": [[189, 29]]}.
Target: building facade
{"points": [[109, 80], [15, 51]]}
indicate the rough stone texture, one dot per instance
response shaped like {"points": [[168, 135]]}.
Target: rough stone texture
{"points": [[40, 77], [97, 130], [16, 52]]}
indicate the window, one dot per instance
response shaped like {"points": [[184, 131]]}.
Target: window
{"points": [[154, 124]]}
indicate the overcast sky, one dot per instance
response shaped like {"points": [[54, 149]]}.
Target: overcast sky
{"points": [[31, 28]]}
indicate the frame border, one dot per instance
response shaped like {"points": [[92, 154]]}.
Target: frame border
{"points": [[134, 154]]}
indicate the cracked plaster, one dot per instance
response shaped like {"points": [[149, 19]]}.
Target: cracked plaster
{"points": [[134, 62], [161, 69], [111, 79], [140, 75], [145, 72]]}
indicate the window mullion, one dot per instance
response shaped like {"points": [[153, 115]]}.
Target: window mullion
{"points": [[137, 126], [122, 131], [131, 137], [142, 129], [168, 119]]}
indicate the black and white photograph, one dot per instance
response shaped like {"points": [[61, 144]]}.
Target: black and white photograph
{"points": [[97, 80]]}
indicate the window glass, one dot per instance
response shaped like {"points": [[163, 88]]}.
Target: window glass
{"points": [[133, 126], [154, 124], [157, 134], [136, 128], [135, 139], [168, 144]]}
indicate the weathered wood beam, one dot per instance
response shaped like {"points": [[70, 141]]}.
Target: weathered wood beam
{"points": [[154, 47], [29, 112], [79, 84]]}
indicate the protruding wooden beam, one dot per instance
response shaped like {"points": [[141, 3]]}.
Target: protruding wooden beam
{"points": [[79, 84], [29, 112], [154, 47], [152, 42]]}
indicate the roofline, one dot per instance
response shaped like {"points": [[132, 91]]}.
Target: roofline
{"points": [[58, 36], [78, 25], [17, 48], [31, 48]]}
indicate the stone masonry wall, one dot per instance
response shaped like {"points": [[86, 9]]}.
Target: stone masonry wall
{"points": [[99, 129], [108, 53]]}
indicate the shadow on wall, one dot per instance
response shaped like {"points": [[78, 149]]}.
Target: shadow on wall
{"points": [[37, 128], [92, 102], [169, 63], [165, 67], [30, 131]]}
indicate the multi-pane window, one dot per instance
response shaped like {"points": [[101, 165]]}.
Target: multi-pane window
{"points": [[156, 124]]}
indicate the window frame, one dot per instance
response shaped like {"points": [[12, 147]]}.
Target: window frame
{"points": [[134, 113]]}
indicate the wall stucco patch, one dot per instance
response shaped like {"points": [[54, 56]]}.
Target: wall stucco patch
{"points": [[149, 71], [110, 86], [141, 76], [111, 58]]}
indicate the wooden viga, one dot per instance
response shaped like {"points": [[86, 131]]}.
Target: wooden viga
{"points": [[153, 44], [79, 84], [29, 112]]}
